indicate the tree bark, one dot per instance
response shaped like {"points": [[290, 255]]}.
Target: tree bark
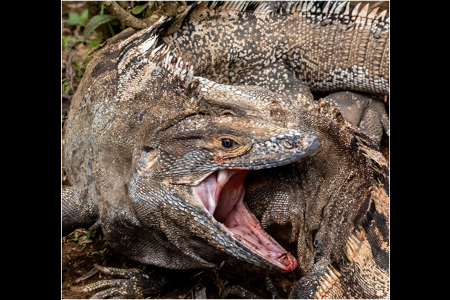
{"points": [[125, 17]]}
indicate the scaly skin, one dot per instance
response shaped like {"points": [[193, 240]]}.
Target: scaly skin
{"points": [[168, 179], [339, 217], [295, 48], [325, 47], [333, 206]]}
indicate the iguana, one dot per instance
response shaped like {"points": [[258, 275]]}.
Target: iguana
{"points": [[326, 46], [163, 177], [284, 111], [333, 207], [293, 48]]}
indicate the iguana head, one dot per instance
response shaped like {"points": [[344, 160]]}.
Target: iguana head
{"points": [[201, 163]]}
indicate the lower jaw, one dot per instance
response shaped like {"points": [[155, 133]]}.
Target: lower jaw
{"points": [[244, 226]]}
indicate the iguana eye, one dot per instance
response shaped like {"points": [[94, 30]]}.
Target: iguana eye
{"points": [[228, 143]]}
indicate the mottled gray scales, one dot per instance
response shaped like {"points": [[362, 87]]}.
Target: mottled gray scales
{"points": [[328, 52], [239, 164]]}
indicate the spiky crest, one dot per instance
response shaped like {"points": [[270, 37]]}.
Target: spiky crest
{"points": [[321, 9]]}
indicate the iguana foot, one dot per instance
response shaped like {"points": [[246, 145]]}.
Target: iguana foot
{"points": [[135, 284], [365, 111]]}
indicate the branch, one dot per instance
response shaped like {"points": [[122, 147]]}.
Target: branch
{"points": [[126, 17]]}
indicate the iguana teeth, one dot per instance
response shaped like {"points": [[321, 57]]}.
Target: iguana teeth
{"points": [[310, 6]]}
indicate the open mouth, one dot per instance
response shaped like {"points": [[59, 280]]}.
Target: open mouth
{"points": [[222, 194]]}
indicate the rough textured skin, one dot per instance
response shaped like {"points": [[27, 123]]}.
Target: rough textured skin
{"points": [[363, 110], [166, 175], [334, 207], [144, 136], [340, 193], [299, 41], [291, 48]]}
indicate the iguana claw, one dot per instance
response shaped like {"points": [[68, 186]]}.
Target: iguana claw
{"points": [[135, 284]]}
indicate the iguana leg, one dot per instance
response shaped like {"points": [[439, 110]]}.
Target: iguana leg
{"points": [[365, 111], [135, 284], [77, 211]]}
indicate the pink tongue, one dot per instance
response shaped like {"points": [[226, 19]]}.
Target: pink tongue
{"points": [[222, 194]]}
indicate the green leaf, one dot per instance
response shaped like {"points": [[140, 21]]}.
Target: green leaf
{"points": [[100, 252], [111, 31], [138, 8], [94, 43], [74, 19], [96, 21], [67, 89], [83, 17], [76, 67], [68, 38]]}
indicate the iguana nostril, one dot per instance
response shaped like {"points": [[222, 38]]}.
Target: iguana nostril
{"points": [[315, 146]]}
